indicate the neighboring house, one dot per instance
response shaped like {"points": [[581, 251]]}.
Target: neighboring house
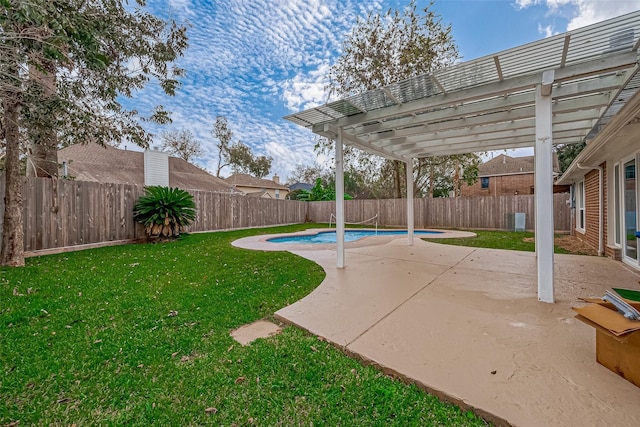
{"points": [[300, 186], [297, 189], [507, 175], [605, 187], [257, 187], [92, 162]]}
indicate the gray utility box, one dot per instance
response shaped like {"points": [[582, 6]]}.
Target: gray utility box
{"points": [[517, 221]]}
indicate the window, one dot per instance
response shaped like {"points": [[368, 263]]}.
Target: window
{"points": [[580, 219], [484, 182], [277, 194]]}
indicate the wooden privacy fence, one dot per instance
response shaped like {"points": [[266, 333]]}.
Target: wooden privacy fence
{"points": [[492, 212], [61, 213]]}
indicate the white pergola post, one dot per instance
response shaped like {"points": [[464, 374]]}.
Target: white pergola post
{"points": [[340, 200], [410, 219], [544, 188]]}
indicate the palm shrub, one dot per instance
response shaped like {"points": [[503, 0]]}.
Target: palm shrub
{"points": [[164, 211]]}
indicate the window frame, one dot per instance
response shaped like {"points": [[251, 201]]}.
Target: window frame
{"points": [[581, 219], [483, 180]]}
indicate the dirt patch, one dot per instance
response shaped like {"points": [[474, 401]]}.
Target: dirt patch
{"points": [[570, 243]]}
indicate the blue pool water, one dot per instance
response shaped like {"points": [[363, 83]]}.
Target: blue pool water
{"points": [[349, 236]]}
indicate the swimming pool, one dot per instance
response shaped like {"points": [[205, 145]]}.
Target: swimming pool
{"points": [[349, 236]]}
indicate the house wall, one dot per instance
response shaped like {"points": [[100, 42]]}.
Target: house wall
{"points": [[592, 212], [271, 191], [501, 185]]}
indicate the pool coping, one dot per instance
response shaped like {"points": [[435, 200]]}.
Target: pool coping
{"points": [[261, 243]]}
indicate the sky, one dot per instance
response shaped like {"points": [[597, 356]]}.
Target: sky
{"points": [[256, 61]]}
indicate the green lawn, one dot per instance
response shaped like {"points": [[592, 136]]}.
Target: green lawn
{"points": [[497, 240], [139, 335]]}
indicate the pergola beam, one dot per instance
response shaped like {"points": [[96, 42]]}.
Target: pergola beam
{"points": [[517, 119], [489, 145], [587, 90], [602, 65], [522, 142], [436, 82], [331, 132], [565, 50], [504, 131], [392, 96], [496, 61]]}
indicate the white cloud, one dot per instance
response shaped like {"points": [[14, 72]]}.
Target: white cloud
{"points": [[306, 90], [591, 11], [523, 4], [546, 31], [252, 62], [580, 13]]}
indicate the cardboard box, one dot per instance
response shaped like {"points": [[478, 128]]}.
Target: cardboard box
{"points": [[617, 338]]}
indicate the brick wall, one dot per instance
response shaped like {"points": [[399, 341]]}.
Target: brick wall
{"points": [[604, 209], [501, 185], [592, 209]]}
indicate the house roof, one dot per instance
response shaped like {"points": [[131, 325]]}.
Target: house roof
{"points": [[92, 162], [619, 138], [245, 180], [507, 165], [300, 186]]}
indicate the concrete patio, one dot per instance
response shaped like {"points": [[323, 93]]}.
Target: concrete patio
{"points": [[465, 324]]}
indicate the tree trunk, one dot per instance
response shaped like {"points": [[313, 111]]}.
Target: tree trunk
{"points": [[396, 180], [456, 179], [12, 231], [42, 159], [431, 178]]}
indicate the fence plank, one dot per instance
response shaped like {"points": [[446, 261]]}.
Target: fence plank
{"points": [[494, 212]]}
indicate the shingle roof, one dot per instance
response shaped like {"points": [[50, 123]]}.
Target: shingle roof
{"points": [[300, 186], [245, 180], [92, 162], [506, 165]]}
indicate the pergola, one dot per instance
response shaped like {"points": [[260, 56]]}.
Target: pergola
{"points": [[559, 90]]}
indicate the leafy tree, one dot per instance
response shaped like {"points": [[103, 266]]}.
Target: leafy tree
{"points": [[260, 166], [319, 192], [237, 155], [63, 65], [439, 175], [567, 154], [164, 211], [181, 143], [306, 173], [224, 135], [383, 49]]}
